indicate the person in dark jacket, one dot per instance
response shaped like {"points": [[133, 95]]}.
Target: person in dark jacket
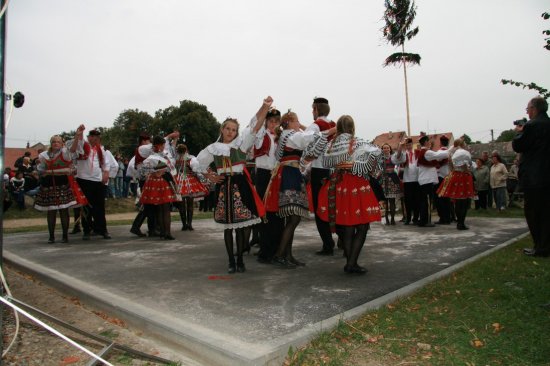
{"points": [[532, 141]]}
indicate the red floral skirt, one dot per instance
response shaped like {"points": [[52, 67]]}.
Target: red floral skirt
{"points": [[355, 202], [157, 191], [457, 185], [190, 186]]}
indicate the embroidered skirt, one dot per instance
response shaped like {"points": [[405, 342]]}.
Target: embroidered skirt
{"points": [[157, 191], [352, 201], [391, 188], [238, 203], [191, 186], [287, 194], [58, 192], [457, 185]]}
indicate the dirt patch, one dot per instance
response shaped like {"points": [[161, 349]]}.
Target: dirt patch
{"points": [[37, 346]]}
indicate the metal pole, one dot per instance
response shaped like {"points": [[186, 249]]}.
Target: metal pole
{"points": [[2, 145]]}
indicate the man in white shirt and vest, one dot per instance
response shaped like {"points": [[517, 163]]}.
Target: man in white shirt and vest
{"points": [[320, 110], [92, 173]]}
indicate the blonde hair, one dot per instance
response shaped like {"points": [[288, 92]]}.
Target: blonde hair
{"points": [[224, 123], [345, 124], [55, 137]]}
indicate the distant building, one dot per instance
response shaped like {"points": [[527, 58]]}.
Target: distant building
{"points": [[11, 154], [503, 148], [394, 138]]}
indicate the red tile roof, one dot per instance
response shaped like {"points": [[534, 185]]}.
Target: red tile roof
{"points": [[11, 154]]}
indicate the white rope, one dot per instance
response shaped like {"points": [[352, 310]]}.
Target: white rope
{"points": [[4, 9], [6, 287], [54, 331]]}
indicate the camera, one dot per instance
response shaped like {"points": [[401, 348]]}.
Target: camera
{"points": [[520, 122]]}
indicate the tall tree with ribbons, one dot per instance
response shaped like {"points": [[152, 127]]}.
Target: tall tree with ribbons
{"points": [[398, 18]]}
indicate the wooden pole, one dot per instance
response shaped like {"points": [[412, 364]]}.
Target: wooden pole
{"points": [[406, 93]]}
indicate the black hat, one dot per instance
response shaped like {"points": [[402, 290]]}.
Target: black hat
{"points": [[94, 133], [273, 113], [319, 100], [423, 139], [143, 136], [157, 140]]}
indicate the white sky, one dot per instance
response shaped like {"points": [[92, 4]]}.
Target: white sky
{"points": [[81, 61]]}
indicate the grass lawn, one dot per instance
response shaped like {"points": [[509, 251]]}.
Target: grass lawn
{"points": [[495, 311]]}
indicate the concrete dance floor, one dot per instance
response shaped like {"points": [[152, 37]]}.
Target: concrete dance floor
{"points": [[179, 291]]}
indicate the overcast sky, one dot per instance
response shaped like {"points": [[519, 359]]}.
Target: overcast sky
{"points": [[82, 61]]}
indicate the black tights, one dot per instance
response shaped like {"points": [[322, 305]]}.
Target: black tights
{"points": [[287, 236], [390, 208], [242, 235], [461, 209], [52, 217], [164, 220], [185, 208], [353, 238]]}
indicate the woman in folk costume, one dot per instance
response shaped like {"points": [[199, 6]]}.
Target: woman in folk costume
{"points": [[58, 188], [347, 201], [238, 205], [160, 188], [286, 194], [390, 182], [188, 184], [459, 184]]}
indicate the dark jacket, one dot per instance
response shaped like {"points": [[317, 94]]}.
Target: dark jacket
{"points": [[533, 143]]}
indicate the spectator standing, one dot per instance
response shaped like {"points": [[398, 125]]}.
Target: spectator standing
{"points": [[533, 143], [481, 184], [497, 181]]}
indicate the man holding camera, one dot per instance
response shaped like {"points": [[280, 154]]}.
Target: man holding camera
{"points": [[532, 141]]}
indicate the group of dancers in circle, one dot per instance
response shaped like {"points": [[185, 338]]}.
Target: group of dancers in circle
{"points": [[342, 169]]}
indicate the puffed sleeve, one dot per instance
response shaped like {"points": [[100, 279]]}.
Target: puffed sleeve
{"points": [[203, 161]]}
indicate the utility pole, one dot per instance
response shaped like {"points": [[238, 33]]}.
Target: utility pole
{"points": [[492, 136], [2, 145]]}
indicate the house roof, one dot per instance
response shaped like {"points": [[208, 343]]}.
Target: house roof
{"points": [[393, 139], [390, 138], [11, 154]]}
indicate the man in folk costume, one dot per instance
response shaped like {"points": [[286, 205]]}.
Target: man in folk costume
{"points": [[264, 155], [443, 204], [427, 178], [407, 158], [319, 173], [92, 174]]}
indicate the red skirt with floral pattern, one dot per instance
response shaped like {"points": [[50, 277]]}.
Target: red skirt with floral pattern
{"points": [[457, 185], [191, 186], [356, 203], [156, 191]]}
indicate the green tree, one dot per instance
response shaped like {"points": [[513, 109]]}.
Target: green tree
{"points": [[545, 93], [467, 139], [123, 136], [398, 18], [507, 135], [195, 123]]}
